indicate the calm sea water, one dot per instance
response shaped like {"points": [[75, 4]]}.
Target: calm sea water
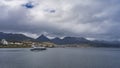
{"points": [[60, 58]]}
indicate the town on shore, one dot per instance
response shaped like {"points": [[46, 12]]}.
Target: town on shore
{"points": [[28, 44], [24, 44]]}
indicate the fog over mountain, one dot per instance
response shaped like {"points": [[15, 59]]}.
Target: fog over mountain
{"points": [[97, 19]]}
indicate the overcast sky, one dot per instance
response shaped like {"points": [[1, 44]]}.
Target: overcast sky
{"points": [[88, 18]]}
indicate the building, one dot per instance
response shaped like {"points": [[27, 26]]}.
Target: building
{"points": [[4, 42], [15, 43]]}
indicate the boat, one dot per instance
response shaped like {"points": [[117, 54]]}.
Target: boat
{"points": [[37, 48]]}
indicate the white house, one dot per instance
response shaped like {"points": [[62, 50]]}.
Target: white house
{"points": [[4, 42]]}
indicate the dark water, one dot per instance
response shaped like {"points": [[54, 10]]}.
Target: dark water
{"points": [[60, 58]]}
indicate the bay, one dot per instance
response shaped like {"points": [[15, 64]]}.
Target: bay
{"points": [[60, 58]]}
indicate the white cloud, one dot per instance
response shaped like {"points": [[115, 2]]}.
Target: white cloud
{"points": [[30, 35]]}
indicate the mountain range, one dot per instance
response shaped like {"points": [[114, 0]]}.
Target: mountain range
{"points": [[43, 38], [57, 40]]}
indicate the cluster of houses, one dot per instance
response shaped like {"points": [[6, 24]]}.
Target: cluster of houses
{"points": [[26, 43]]}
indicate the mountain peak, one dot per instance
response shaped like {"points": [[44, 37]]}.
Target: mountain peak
{"points": [[43, 38], [42, 35]]}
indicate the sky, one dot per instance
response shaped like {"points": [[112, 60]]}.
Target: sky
{"points": [[93, 19]]}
